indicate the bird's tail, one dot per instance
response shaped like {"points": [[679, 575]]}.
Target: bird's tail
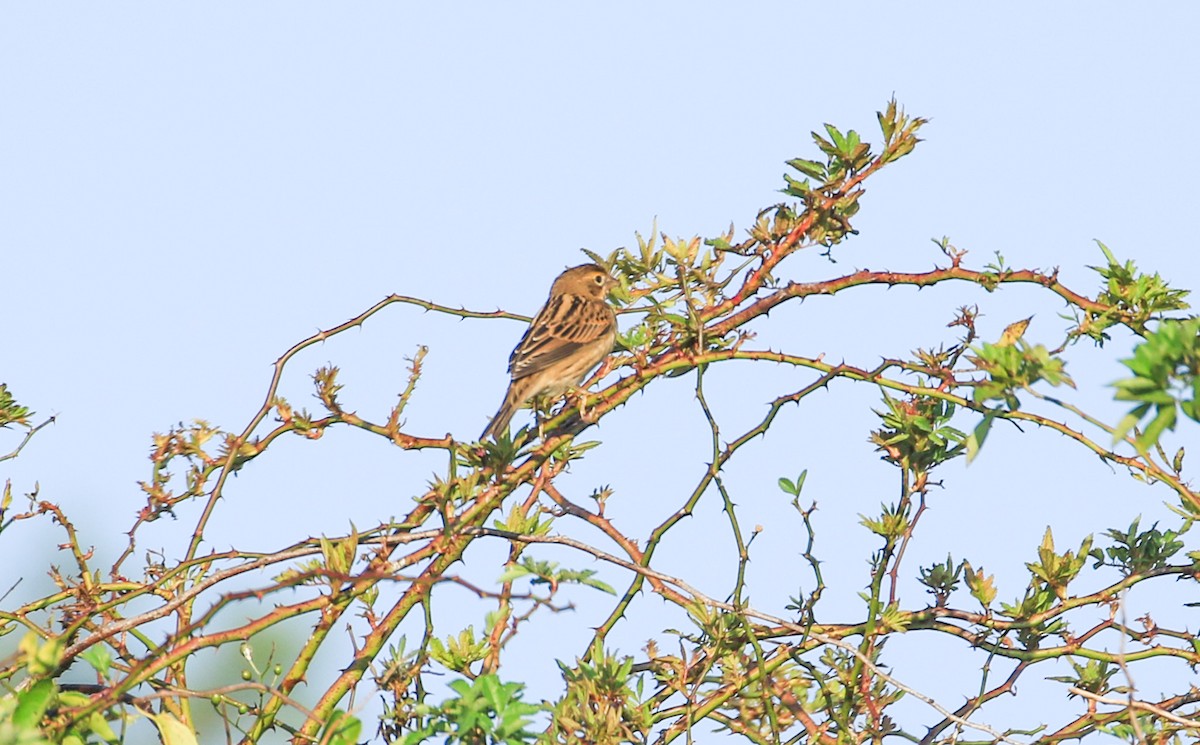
{"points": [[500, 421]]}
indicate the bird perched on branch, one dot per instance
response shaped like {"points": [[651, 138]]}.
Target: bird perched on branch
{"points": [[572, 333]]}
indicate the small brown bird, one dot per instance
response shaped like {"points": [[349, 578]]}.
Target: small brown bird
{"points": [[572, 333]]}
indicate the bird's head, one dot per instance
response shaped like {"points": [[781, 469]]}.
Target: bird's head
{"points": [[588, 280]]}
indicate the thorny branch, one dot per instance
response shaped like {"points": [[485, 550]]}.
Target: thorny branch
{"points": [[760, 675]]}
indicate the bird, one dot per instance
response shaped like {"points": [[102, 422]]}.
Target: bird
{"points": [[572, 333]]}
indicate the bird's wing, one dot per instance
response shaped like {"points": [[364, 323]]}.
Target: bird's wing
{"points": [[566, 324]]}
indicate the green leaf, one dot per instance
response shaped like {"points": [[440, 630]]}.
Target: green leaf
{"points": [[342, 729], [1128, 422], [836, 135], [1162, 422], [32, 704], [99, 658], [810, 168], [982, 586], [513, 572], [887, 121], [976, 439], [172, 731]]}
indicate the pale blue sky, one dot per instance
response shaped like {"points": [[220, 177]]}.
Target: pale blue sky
{"points": [[188, 189]]}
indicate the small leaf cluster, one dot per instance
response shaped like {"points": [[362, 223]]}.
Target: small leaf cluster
{"points": [[793, 488], [1052, 573], [756, 708], [842, 692], [720, 630], [485, 711], [994, 272], [1038, 599], [893, 522], [599, 705], [1093, 677], [524, 522], [1148, 728], [332, 569], [327, 387], [189, 442], [1140, 551], [458, 653], [1011, 366], [10, 411], [1058, 570], [1130, 297], [916, 433], [981, 585], [846, 156], [675, 279], [1166, 380], [549, 573], [941, 579]]}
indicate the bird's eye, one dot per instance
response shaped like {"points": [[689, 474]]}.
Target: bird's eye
{"points": [[599, 279]]}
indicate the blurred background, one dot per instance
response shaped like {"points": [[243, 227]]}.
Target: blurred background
{"points": [[188, 190]]}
